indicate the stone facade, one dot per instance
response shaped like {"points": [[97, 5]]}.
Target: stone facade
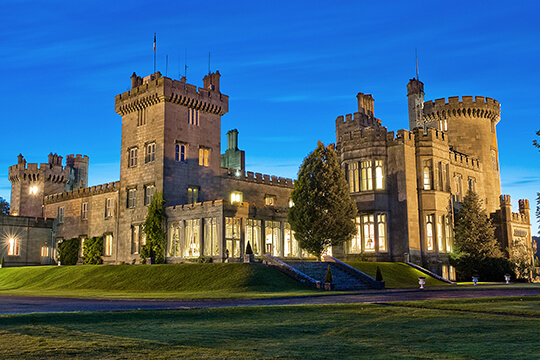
{"points": [[406, 185]]}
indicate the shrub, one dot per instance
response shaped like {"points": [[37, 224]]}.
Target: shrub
{"points": [[204, 259], [2, 262], [487, 268], [378, 275], [93, 249], [68, 251], [328, 277], [249, 251]]}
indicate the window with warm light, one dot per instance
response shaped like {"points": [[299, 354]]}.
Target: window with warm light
{"points": [[211, 243], [193, 194], [44, 251], [108, 245], [272, 237], [354, 185], [369, 232], [270, 200], [135, 240], [33, 190], [236, 197], [429, 232], [13, 247], [192, 238], [367, 175], [379, 175], [204, 154], [253, 235], [440, 234], [427, 174]]}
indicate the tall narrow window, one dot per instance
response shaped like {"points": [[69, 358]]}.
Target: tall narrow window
{"points": [[440, 234], [84, 211], [131, 198], [148, 194], [150, 152], [448, 232], [108, 245], [180, 153], [291, 244], [135, 240], [444, 177], [367, 175], [109, 203], [173, 249], [193, 116], [369, 232], [193, 195], [141, 117], [192, 239], [355, 245], [381, 232], [232, 237], [236, 197], [211, 244], [379, 175], [429, 232], [272, 237], [427, 174], [132, 157], [60, 214], [472, 184], [13, 247], [354, 184], [204, 154], [494, 161], [253, 235], [458, 186]]}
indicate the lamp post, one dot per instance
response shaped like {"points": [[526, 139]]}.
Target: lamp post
{"points": [[507, 278], [475, 279], [422, 282]]}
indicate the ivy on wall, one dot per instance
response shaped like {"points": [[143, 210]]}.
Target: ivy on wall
{"points": [[92, 250], [68, 251]]}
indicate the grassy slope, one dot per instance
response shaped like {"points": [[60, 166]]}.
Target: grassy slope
{"points": [[285, 332], [175, 281], [396, 275]]}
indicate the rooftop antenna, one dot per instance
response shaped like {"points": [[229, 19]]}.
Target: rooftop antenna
{"points": [[416, 55], [185, 63], [154, 53]]}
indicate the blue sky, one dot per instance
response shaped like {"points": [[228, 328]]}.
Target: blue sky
{"points": [[289, 67]]}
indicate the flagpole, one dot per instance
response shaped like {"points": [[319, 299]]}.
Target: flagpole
{"points": [[154, 53]]}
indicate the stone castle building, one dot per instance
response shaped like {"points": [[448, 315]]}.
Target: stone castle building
{"points": [[406, 185]]}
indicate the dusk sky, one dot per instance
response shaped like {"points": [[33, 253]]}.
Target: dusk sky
{"points": [[289, 67]]}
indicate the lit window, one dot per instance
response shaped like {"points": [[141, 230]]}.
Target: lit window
{"points": [[355, 245], [108, 245], [272, 237], [367, 175], [381, 233], [13, 247], [193, 116], [440, 234], [135, 244], [291, 244], [150, 152], [82, 246], [84, 211], [236, 197], [180, 153], [353, 177], [131, 198], [448, 233], [132, 160], [173, 248], [211, 243], [109, 203], [427, 175], [148, 194], [60, 214], [270, 200], [203, 156], [379, 175], [369, 233], [193, 195], [33, 190], [429, 232], [44, 251], [291, 203], [253, 235], [192, 239]]}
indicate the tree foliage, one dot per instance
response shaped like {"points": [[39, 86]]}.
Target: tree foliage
{"points": [[4, 207], [68, 251], [323, 212], [153, 228], [92, 250]]}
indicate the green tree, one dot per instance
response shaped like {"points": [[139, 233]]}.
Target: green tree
{"points": [[4, 207], [153, 228], [93, 249], [68, 251], [323, 212]]}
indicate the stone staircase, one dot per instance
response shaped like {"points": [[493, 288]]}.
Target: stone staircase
{"points": [[341, 280]]}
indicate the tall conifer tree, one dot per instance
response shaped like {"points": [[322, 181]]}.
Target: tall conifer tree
{"points": [[323, 212]]}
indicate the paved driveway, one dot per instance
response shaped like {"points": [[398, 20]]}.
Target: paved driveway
{"points": [[28, 304]]}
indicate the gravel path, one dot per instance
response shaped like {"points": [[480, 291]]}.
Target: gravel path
{"points": [[29, 304]]}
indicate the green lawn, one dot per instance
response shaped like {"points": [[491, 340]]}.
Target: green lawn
{"points": [[155, 281], [395, 275], [281, 332]]}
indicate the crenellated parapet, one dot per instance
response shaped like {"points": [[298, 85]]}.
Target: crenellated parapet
{"points": [[403, 137], [363, 137], [431, 135], [52, 172], [459, 159], [257, 178], [162, 89], [479, 107], [82, 193]]}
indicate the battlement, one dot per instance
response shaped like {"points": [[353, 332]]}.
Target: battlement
{"points": [[52, 171], [457, 158], [431, 135], [523, 205], [80, 193], [194, 206], [77, 158], [364, 135], [163, 89], [504, 200], [479, 107], [401, 137], [257, 178]]}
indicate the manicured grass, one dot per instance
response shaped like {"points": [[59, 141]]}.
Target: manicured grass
{"points": [[155, 281], [280, 332], [395, 275]]}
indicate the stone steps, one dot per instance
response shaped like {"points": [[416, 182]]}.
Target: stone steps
{"points": [[317, 270]]}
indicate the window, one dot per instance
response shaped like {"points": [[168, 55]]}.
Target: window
{"points": [[173, 249], [459, 188], [131, 198], [448, 233], [232, 237], [148, 194], [367, 175], [494, 160], [135, 239], [192, 239], [108, 244], [354, 184], [291, 244], [203, 156], [355, 245], [109, 204], [253, 235], [273, 238], [472, 184], [13, 247], [84, 211], [193, 116], [429, 232], [369, 232], [381, 232], [427, 174], [44, 251], [193, 195], [379, 175], [150, 152], [211, 244], [82, 245], [180, 152], [440, 234], [270, 200], [141, 117], [236, 197], [60, 214], [132, 160]]}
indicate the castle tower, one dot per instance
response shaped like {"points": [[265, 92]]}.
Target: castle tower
{"points": [[170, 142], [31, 182], [415, 96], [78, 172], [233, 157]]}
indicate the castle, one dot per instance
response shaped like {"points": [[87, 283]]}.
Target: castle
{"points": [[406, 185]]}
